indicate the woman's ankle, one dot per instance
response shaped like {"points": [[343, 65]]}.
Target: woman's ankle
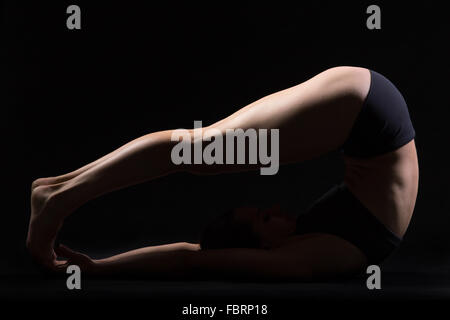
{"points": [[65, 197], [54, 200]]}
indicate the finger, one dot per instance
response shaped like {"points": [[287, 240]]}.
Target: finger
{"points": [[60, 266], [59, 263], [48, 268], [66, 252]]}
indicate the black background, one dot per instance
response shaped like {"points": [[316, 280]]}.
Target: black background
{"points": [[72, 96]]}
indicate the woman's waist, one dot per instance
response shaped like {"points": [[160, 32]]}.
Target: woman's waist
{"points": [[386, 186]]}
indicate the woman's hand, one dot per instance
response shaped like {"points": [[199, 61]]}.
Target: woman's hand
{"points": [[72, 257]]}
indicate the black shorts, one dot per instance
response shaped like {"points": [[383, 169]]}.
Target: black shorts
{"points": [[383, 123], [339, 212]]}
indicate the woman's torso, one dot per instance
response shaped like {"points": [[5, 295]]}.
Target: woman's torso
{"points": [[380, 155], [387, 185]]}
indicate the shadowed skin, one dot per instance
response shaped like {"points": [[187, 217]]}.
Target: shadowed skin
{"points": [[313, 118]]}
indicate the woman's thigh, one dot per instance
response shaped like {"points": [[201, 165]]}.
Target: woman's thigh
{"points": [[313, 118]]}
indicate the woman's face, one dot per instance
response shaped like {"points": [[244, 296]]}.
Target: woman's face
{"points": [[273, 225]]}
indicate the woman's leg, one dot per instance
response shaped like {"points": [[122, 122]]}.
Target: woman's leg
{"points": [[67, 176], [313, 118]]}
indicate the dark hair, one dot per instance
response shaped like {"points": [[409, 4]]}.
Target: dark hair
{"points": [[225, 231]]}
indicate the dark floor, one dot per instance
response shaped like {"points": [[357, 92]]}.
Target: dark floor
{"points": [[406, 280], [167, 298], [395, 286], [401, 290]]}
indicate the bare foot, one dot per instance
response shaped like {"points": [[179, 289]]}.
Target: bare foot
{"points": [[45, 222]]}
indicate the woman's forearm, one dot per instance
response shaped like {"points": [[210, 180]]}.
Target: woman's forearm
{"points": [[157, 261]]}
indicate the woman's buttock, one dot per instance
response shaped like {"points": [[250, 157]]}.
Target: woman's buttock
{"points": [[387, 185], [313, 117]]}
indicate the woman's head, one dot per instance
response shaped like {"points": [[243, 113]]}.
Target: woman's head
{"points": [[248, 227]]}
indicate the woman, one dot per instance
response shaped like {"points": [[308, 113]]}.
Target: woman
{"points": [[357, 223]]}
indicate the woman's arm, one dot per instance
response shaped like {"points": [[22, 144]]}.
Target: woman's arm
{"points": [[302, 259], [160, 261], [186, 261]]}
